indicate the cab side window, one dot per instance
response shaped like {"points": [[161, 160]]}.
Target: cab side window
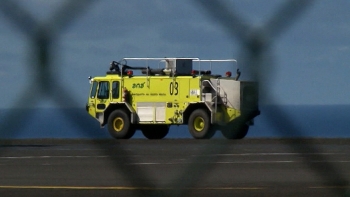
{"points": [[115, 89], [103, 90]]}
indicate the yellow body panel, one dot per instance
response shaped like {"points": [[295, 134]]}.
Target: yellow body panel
{"points": [[156, 99], [172, 92], [176, 93]]}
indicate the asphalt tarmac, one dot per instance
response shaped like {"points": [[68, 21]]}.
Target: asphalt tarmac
{"points": [[175, 167]]}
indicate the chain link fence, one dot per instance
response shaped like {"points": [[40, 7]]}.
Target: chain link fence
{"points": [[255, 44]]}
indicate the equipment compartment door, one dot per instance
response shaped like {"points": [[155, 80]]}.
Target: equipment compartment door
{"points": [[151, 111]]}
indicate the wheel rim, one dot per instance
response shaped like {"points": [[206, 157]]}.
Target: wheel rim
{"points": [[118, 124], [199, 124]]}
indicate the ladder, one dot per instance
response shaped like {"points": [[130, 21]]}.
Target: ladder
{"points": [[217, 95]]}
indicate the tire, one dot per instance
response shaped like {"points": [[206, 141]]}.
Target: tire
{"points": [[199, 125], [154, 132], [119, 125], [234, 131]]}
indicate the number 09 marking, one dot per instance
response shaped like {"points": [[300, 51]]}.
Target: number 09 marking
{"points": [[174, 88]]}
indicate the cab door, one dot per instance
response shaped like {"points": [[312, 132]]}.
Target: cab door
{"points": [[99, 97], [102, 98], [91, 105]]}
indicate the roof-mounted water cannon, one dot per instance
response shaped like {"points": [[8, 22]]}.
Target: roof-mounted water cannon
{"points": [[122, 69], [115, 66], [130, 72], [153, 71]]}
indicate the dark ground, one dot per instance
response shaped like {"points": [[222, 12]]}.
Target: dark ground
{"points": [[175, 167]]}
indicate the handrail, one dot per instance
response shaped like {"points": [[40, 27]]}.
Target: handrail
{"points": [[214, 60], [194, 59]]}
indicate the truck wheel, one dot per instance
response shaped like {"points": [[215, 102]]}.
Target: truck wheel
{"points": [[199, 125], [155, 131], [235, 132], [119, 125]]}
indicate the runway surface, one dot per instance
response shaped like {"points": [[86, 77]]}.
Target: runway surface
{"points": [[175, 167]]}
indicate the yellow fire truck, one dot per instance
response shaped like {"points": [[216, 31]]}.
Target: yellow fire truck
{"points": [[169, 91]]}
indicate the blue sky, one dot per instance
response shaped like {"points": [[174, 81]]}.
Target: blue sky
{"points": [[308, 61]]}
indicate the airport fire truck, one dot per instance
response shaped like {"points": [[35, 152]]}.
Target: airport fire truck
{"points": [[161, 92]]}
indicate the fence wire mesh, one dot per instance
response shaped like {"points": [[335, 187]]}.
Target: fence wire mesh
{"points": [[255, 45]]}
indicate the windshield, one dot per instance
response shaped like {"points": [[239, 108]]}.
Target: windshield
{"points": [[93, 89]]}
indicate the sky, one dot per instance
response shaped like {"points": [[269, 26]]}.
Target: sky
{"points": [[307, 62]]}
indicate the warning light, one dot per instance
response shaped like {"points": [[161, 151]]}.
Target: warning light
{"points": [[130, 73], [194, 72], [228, 74]]}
